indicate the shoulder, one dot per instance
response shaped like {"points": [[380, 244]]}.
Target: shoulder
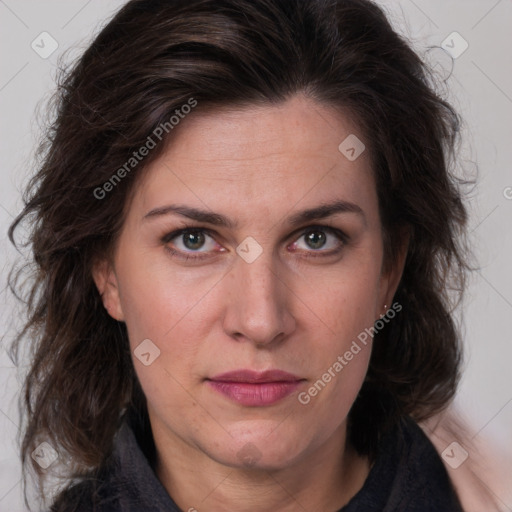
{"points": [[422, 482], [100, 490], [80, 497], [125, 482], [95, 493], [407, 476]]}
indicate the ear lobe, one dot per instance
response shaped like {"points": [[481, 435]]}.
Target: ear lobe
{"points": [[106, 283]]}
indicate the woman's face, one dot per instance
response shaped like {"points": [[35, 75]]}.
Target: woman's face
{"points": [[282, 271]]}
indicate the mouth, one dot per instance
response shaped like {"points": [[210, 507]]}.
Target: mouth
{"points": [[255, 389]]}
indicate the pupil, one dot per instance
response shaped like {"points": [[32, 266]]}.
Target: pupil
{"points": [[194, 240], [315, 239]]}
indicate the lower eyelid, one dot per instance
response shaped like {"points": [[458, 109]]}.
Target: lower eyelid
{"points": [[186, 255]]}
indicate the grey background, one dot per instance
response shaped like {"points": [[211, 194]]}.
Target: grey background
{"points": [[480, 87]]}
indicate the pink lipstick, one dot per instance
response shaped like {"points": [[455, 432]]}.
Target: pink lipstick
{"points": [[255, 389]]}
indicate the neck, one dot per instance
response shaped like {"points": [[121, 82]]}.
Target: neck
{"points": [[325, 479]]}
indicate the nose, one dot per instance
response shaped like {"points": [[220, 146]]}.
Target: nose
{"points": [[258, 308]]}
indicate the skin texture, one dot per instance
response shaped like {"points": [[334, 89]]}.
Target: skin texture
{"points": [[257, 166]]}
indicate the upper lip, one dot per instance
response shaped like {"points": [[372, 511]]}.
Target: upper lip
{"points": [[252, 376]]}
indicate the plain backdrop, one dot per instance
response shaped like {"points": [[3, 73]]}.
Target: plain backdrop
{"points": [[480, 86]]}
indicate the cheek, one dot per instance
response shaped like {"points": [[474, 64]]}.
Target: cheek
{"points": [[156, 301], [176, 313], [345, 300], [344, 305], [338, 370], [165, 314]]}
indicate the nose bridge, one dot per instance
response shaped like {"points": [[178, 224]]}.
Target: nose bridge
{"points": [[258, 310], [261, 280]]}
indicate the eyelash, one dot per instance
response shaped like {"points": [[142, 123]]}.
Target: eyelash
{"points": [[343, 238]]}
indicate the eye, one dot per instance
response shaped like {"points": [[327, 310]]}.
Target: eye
{"points": [[320, 239], [188, 242], [198, 243]]}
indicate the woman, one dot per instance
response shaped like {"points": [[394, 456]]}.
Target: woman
{"points": [[244, 233]]}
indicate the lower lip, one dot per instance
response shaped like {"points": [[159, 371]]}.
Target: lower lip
{"points": [[255, 394]]}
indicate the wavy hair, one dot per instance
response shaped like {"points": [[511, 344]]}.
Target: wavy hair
{"points": [[148, 61]]}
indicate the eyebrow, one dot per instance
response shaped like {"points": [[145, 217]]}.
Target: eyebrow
{"points": [[318, 212]]}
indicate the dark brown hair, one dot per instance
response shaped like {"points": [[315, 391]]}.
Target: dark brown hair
{"points": [[148, 61]]}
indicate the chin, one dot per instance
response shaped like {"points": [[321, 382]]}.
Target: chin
{"points": [[259, 451]]}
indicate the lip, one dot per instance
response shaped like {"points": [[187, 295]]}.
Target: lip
{"points": [[251, 376], [251, 388]]}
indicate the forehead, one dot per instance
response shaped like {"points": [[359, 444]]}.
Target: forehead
{"points": [[270, 156]]}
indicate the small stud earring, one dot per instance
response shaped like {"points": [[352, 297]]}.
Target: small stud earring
{"points": [[385, 307]]}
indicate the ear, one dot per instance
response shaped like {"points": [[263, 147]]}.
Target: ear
{"points": [[390, 277], [106, 281]]}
